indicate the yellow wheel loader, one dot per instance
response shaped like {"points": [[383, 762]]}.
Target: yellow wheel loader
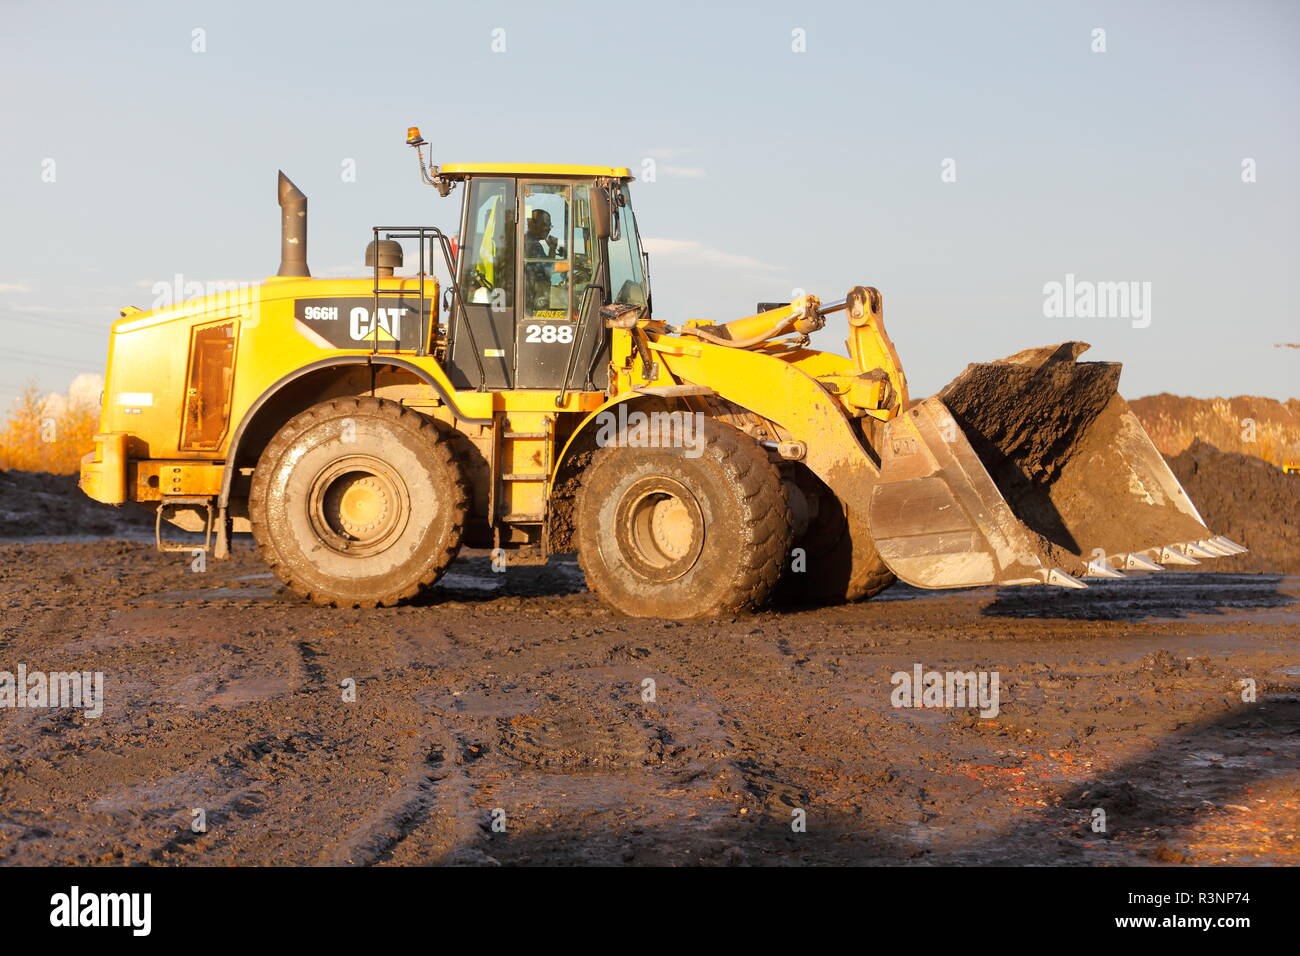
{"points": [[364, 429]]}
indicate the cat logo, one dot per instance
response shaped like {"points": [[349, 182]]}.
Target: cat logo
{"points": [[353, 322], [385, 325]]}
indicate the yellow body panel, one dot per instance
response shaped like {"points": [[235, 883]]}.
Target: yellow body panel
{"points": [[103, 471], [787, 395], [145, 389]]}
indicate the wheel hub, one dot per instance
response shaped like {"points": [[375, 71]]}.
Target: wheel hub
{"points": [[361, 507], [358, 505], [670, 527], [659, 528]]}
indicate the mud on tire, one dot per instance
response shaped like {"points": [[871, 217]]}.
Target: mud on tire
{"points": [[661, 534], [358, 502]]}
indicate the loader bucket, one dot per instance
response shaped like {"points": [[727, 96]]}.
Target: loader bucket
{"points": [[1029, 470]]}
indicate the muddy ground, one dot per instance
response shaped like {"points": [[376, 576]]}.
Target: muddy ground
{"points": [[38, 503], [516, 698]]}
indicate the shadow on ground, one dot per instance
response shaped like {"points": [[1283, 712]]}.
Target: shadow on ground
{"points": [[1206, 773], [1139, 597]]}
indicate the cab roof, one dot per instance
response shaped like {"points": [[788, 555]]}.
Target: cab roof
{"points": [[461, 170]]}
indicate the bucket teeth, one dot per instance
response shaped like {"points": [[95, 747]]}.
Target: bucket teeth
{"points": [[1171, 555], [1228, 543], [1216, 549], [1058, 578], [1193, 550], [1137, 562], [1100, 569]]}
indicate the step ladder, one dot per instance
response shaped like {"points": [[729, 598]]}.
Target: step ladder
{"points": [[509, 461]]}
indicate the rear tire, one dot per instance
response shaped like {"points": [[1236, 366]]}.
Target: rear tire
{"points": [[358, 502], [661, 534]]}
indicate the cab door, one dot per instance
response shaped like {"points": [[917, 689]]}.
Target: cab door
{"points": [[482, 336], [557, 260]]}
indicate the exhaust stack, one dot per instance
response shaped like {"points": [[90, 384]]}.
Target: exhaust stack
{"points": [[293, 229]]}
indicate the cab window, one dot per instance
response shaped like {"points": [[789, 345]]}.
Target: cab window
{"points": [[548, 250], [626, 271]]}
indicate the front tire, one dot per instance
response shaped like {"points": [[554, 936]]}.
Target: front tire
{"points": [[358, 502], [662, 534]]}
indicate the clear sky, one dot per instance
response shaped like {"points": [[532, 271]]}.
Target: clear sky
{"points": [[796, 145]]}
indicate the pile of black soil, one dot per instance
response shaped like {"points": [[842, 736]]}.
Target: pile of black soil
{"points": [[37, 504], [1061, 446], [1247, 499]]}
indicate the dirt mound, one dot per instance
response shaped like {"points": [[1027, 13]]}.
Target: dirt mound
{"points": [[1262, 427], [36, 503], [1250, 501]]}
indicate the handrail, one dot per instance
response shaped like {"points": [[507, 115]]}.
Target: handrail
{"points": [[423, 234]]}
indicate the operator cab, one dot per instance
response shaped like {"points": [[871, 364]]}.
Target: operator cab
{"points": [[542, 249]]}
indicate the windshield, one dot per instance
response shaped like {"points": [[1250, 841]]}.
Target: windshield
{"points": [[626, 270]]}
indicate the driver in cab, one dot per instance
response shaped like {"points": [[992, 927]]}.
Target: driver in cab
{"points": [[546, 290], [539, 243]]}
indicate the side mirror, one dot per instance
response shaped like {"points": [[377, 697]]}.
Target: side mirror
{"points": [[619, 316], [600, 215]]}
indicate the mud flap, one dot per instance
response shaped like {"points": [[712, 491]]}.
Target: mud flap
{"points": [[1028, 470]]}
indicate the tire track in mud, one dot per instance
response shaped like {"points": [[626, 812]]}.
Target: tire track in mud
{"points": [[150, 814], [744, 752], [236, 805], [440, 810], [429, 817], [522, 755], [822, 756], [232, 786], [593, 749], [257, 764], [309, 651], [391, 677], [382, 831]]}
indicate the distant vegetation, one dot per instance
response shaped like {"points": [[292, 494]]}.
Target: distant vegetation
{"points": [[49, 433]]}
